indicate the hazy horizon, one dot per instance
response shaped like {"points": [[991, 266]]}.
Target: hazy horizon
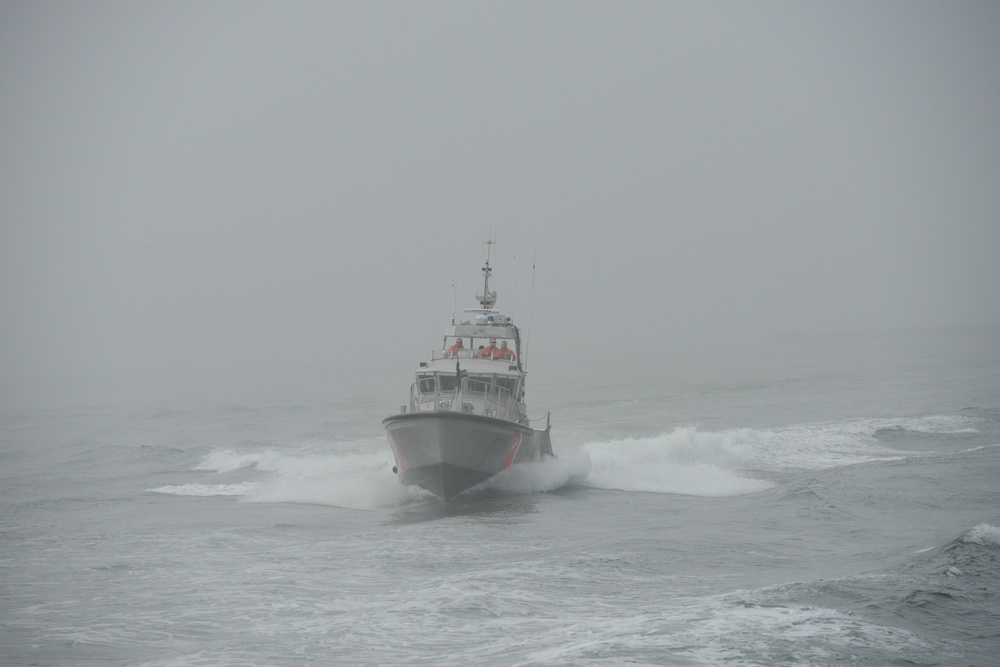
{"points": [[191, 187]]}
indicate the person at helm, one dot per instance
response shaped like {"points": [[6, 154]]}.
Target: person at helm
{"points": [[456, 348], [490, 351]]}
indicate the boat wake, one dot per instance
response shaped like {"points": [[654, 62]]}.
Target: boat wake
{"points": [[205, 490], [686, 461], [690, 461], [349, 480], [364, 482], [352, 481], [543, 476], [661, 465]]}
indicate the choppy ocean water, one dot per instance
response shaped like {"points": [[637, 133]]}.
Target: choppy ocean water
{"points": [[828, 504]]}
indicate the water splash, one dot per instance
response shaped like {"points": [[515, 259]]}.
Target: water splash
{"points": [[240, 489], [667, 463], [984, 534]]}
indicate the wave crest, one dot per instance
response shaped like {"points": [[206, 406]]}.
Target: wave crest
{"points": [[984, 534]]}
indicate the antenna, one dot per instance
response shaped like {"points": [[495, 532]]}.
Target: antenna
{"points": [[487, 299], [489, 240], [531, 300], [454, 296], [513, 265]]}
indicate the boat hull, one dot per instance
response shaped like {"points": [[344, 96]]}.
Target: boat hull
{"points": [[447, 453]]}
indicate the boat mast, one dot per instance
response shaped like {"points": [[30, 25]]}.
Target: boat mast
{"points": [[513, 267], [454, 297], [487, 301], [531, 299]]}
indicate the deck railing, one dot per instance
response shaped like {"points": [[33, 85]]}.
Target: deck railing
{"points": [[462, 354]]}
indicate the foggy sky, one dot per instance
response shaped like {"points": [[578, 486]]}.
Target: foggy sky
{"points": [[235, 185]]}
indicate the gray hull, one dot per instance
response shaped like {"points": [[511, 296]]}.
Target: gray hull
{"points": [[450, 452]]}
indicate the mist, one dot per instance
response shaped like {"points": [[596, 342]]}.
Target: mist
{"points": [[234, 186]]}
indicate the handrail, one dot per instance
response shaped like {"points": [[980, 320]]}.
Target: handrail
{"points": [[465, 354]]}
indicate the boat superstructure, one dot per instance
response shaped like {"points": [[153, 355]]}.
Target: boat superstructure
{"points": [[466, 419]]}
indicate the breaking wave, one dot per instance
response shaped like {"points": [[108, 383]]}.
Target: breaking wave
{"points": [[984, 534]]}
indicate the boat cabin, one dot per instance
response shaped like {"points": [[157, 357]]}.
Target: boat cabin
{"points": [[490, 325], [474, 378]]}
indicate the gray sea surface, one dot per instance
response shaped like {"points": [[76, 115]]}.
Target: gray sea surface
{"points": [[819, 502]]}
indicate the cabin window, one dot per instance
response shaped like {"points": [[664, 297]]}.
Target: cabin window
{"points": [[510, 384], [426, 384], [448, 382], [480, 385]]}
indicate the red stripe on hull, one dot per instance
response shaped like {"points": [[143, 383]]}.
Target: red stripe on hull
{"points": [[515, 444]]}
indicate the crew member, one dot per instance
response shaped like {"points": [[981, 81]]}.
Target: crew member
{"points": [[455, 349], [491, 351], [505, 352]]}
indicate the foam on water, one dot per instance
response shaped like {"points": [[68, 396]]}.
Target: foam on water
{"points": [[943, 424], [686, 461], [803, 446], [984, 534], [690, 461], [308, 460], [226, 460], [344, 479], [361, 490], [354, 480], [796, 633], [541, 476], [977, 449], [240, 489], [363, 481], [959, 556], [662, 464]]}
